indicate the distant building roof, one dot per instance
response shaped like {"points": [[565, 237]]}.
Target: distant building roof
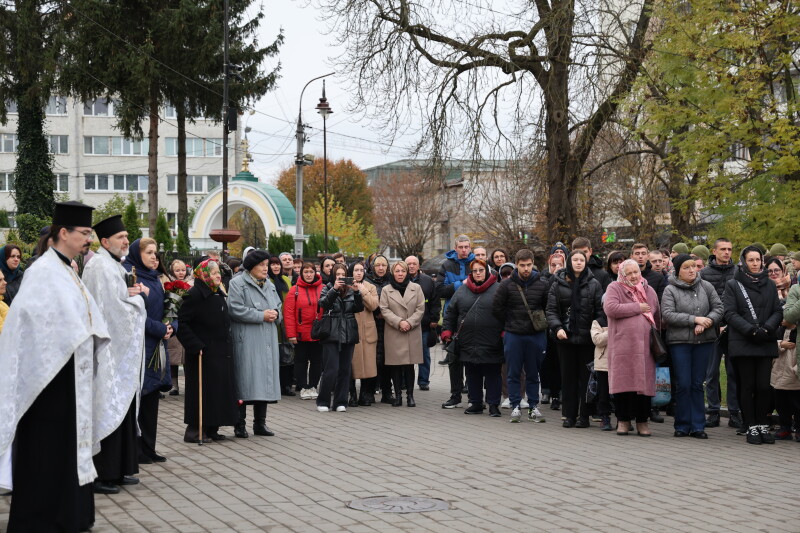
{"points": [[453, 168]]}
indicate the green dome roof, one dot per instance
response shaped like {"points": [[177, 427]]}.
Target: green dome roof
{"points": [[283, 206]]}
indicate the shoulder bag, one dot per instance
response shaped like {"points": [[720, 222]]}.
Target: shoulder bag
{"points": [[538, 320], [452, 346], [322, 327]]}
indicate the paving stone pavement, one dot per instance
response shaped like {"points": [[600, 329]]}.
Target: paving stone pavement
{"points": [[496, 476]]}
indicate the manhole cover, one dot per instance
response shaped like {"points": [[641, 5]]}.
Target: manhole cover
{"points": [[399, 504]]}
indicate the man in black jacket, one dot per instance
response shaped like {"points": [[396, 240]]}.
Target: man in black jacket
{"points": [[523, 346], [720, 269], [596, 266], [641, 255], [430, 320]]}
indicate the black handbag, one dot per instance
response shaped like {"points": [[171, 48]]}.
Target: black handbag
{"points": [[658, 349], [322, 327], [286, 354], [433, 336]]}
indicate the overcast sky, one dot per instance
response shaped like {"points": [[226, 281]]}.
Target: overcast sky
{"points": [[303, 56]]}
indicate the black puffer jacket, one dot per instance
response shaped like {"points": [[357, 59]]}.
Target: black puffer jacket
{"points": [[509, 308], [433, 304], [479, 339], [718, 275], [656, 280], [599, 271], [344, 328], [558, 307], [742, 326]]}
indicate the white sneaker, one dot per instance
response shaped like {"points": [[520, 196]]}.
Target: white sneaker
{"points": [[341, 409], [523, 404], [515, 415], [304, 394], [534, 415], [506, 404], [313, 393], [322, 409]]}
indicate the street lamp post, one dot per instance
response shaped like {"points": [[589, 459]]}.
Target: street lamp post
{"points": [[300, 161], [324, 109]]}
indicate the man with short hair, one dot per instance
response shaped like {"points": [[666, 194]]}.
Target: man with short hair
{"points": [[287, 265], [583, 244], [518, 296], [430, 320], [52, 336], [641, 254], [339, 258], [119, 376], [480, 253], [452, 273], [297, 265], [718, 272]]}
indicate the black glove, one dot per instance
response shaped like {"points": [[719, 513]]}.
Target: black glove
{"points": [[762, 334]]}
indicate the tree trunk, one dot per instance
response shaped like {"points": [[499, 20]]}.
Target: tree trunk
{"points": [[152, 161], [183, 202]]}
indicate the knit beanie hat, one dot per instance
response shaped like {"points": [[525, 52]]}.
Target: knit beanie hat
{"points": [[680, 248], [701, 252], [778, 249]]}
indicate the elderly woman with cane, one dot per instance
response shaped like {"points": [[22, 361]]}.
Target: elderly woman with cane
{"points": [[205, 334]]}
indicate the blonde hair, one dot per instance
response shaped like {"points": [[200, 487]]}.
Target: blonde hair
{"points": [[144, 242], [400, 263]]}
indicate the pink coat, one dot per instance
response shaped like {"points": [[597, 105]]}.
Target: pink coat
{"points": [[630, 365]]}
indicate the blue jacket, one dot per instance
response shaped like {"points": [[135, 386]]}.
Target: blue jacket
{"points": [[154, 329], [452, 274]]}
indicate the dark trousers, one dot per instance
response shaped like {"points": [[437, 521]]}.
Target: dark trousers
{"points": [[573, 359], [632, 406], [424, 375], [551, 371], [173, 371], [119, 452], [286, 376], [788, 405], [456, 370], [403, 375], [713, 393], [523, 351], [259, 413], [689, 366], [603, 397], [47, 496], [480, 375], [755, 393], [337, 361], [148, 423], [307, 364]]}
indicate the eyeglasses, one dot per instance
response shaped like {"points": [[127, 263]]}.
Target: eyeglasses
{"points": [[478, 270], [85, 233], [774, 271]]}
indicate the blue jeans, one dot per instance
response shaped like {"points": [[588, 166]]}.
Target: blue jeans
{"points": [[425, 368], [524, 351], [712, 382], [690, 363]]}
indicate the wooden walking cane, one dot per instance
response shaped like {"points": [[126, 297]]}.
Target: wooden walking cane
{"points": [[200, 400]]}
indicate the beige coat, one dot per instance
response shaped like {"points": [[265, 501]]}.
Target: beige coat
{"points": [[402, 348], [784, 368], [600, 340], [364, 364]]}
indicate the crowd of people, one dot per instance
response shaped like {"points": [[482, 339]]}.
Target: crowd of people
{"points": [[585, 335]]}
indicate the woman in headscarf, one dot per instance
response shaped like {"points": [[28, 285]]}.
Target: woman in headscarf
{"points": [[205, 330], [573, 303], [378, 276], [142, 255], [776, 271], [364, 364], [10, 257], [256, 313], [753, 313], [281, 284], [631, 307]]}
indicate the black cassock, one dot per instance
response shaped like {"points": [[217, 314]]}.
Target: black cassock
{"points": [[119, 452], [204, 324], [47, 497]]}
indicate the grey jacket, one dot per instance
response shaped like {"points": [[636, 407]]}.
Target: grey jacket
{"points": [[682, 302]]}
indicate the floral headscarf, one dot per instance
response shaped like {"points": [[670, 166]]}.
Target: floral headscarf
{"points": [[637, 289], [203, 273]]}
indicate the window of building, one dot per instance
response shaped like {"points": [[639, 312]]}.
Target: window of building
{"points": [[56, 105], [95, 145], [194, 184], [6, 181], [213, 147], [59, 144], [95, 182], [213, 181], [116, 182], [195, 147], [171, 112], [172, 220], [123, 146], [102, 107], [8, 143], [61, 183], [11, 106]]}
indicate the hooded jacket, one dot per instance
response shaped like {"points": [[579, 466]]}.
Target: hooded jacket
{"points": [[682, 302], [558, 306], [599, 271], [452, 274]]}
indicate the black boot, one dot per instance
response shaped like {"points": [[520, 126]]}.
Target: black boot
{"points": [[260, 420], [240, 429], [353, 400], [398, 400], [410, 399]]}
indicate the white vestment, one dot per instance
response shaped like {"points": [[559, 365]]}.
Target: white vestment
{"points": [[119, 374], [53, 318]]}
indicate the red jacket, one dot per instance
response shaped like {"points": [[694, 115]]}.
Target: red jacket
{"points": [[300, 308]]}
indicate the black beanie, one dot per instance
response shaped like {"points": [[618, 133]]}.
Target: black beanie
{"points": [[678, 260], [254, 258]]}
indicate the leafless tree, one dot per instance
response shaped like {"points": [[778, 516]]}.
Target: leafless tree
{"points": [[496, 81]]}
